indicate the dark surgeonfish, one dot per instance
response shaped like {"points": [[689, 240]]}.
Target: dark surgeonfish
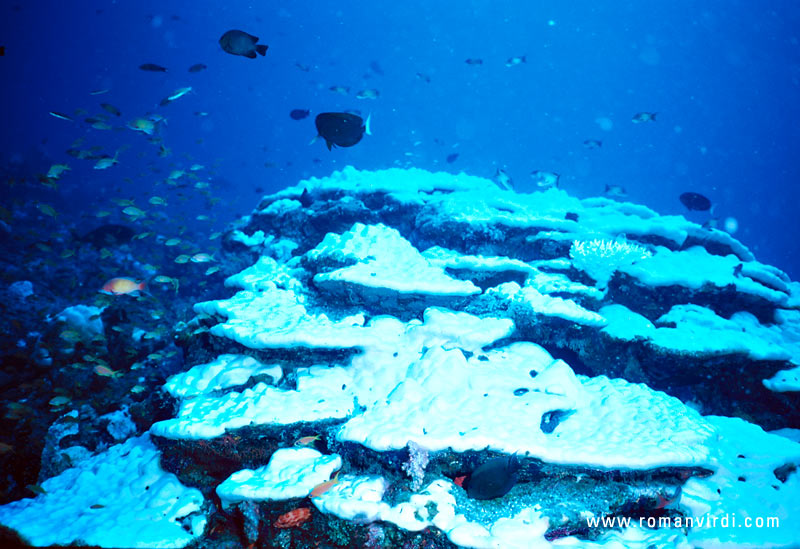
{"points": [[299, 114], [494, 478], [238, 42], [695, 201], [342, 129], [109, 234], [152, 67], [198, 67]]}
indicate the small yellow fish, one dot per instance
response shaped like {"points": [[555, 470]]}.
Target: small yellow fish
{"points": [[180, 92], [172, 242], [106, 162], [142, 235], [368, 94], [122, 201], [102, 213], [320, 489], [157, 201], [105, 371], [56, 170], [182, 259], [136, 389], [201, 185], [143, 125], [196, 167], [201, 258], [60, 115], [176, 174], [212, 270], [214, 236], [47, 209], [202, 217], [307, 441], [100, 125], [134, 212]]}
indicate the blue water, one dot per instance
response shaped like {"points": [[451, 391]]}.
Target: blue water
{"points": [[723, 77]]}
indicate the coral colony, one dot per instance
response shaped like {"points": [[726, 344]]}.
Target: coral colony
{"points": [[417, 359]]}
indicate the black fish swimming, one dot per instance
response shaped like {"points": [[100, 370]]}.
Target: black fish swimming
{"points": [[238, 42], [152, 67], [695, 201], [494, 478], [342, 129], [109, 234], [299, 114], [198, 67], [452, 157]]}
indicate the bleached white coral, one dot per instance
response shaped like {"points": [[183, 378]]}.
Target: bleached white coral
{"points": [[599, 258]]}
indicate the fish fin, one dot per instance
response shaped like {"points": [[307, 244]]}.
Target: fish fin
{"points": [[251, 55], [329, 144], [313, 140], [366, 125], [262, 49]]}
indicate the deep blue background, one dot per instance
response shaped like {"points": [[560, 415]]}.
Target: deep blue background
{"points": [[723, 75]]}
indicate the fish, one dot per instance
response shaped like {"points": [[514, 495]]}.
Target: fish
{"points": [[344, 90], [143, 125], [494, 478], [157, 201], [237, 42], [99, 92], [177, 94], [212, 270], [615, 190], [60, 115], [182, 259], [592, 143], [105, 371], [695, 202], [307, 441], [503, 180], [452, 157], [201, 258], [299, 114], [640, 117], [545, 180], [109, 108], [152, 67], [106, 162], [323, 487], [424, 77], [47, 209], [368, 94], [123, 286], [134, 212], [109, 234], [341, 128], [473, 61], [512, 61], [56, 170], [172, 242], [101, 125], [198, 67], [293, 518]]}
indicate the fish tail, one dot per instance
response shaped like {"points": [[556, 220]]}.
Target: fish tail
{"points": [[366, 124], [262, 49]]}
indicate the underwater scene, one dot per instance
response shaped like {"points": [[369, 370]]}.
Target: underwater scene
{"points": [[400, 275]]}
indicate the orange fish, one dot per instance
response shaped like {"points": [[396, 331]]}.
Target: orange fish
{"points": [[122, 286], [320, 489], [307, 441], [293, 518]]}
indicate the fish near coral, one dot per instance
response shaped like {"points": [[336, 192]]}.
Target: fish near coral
{"points": [[293, 518]]}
